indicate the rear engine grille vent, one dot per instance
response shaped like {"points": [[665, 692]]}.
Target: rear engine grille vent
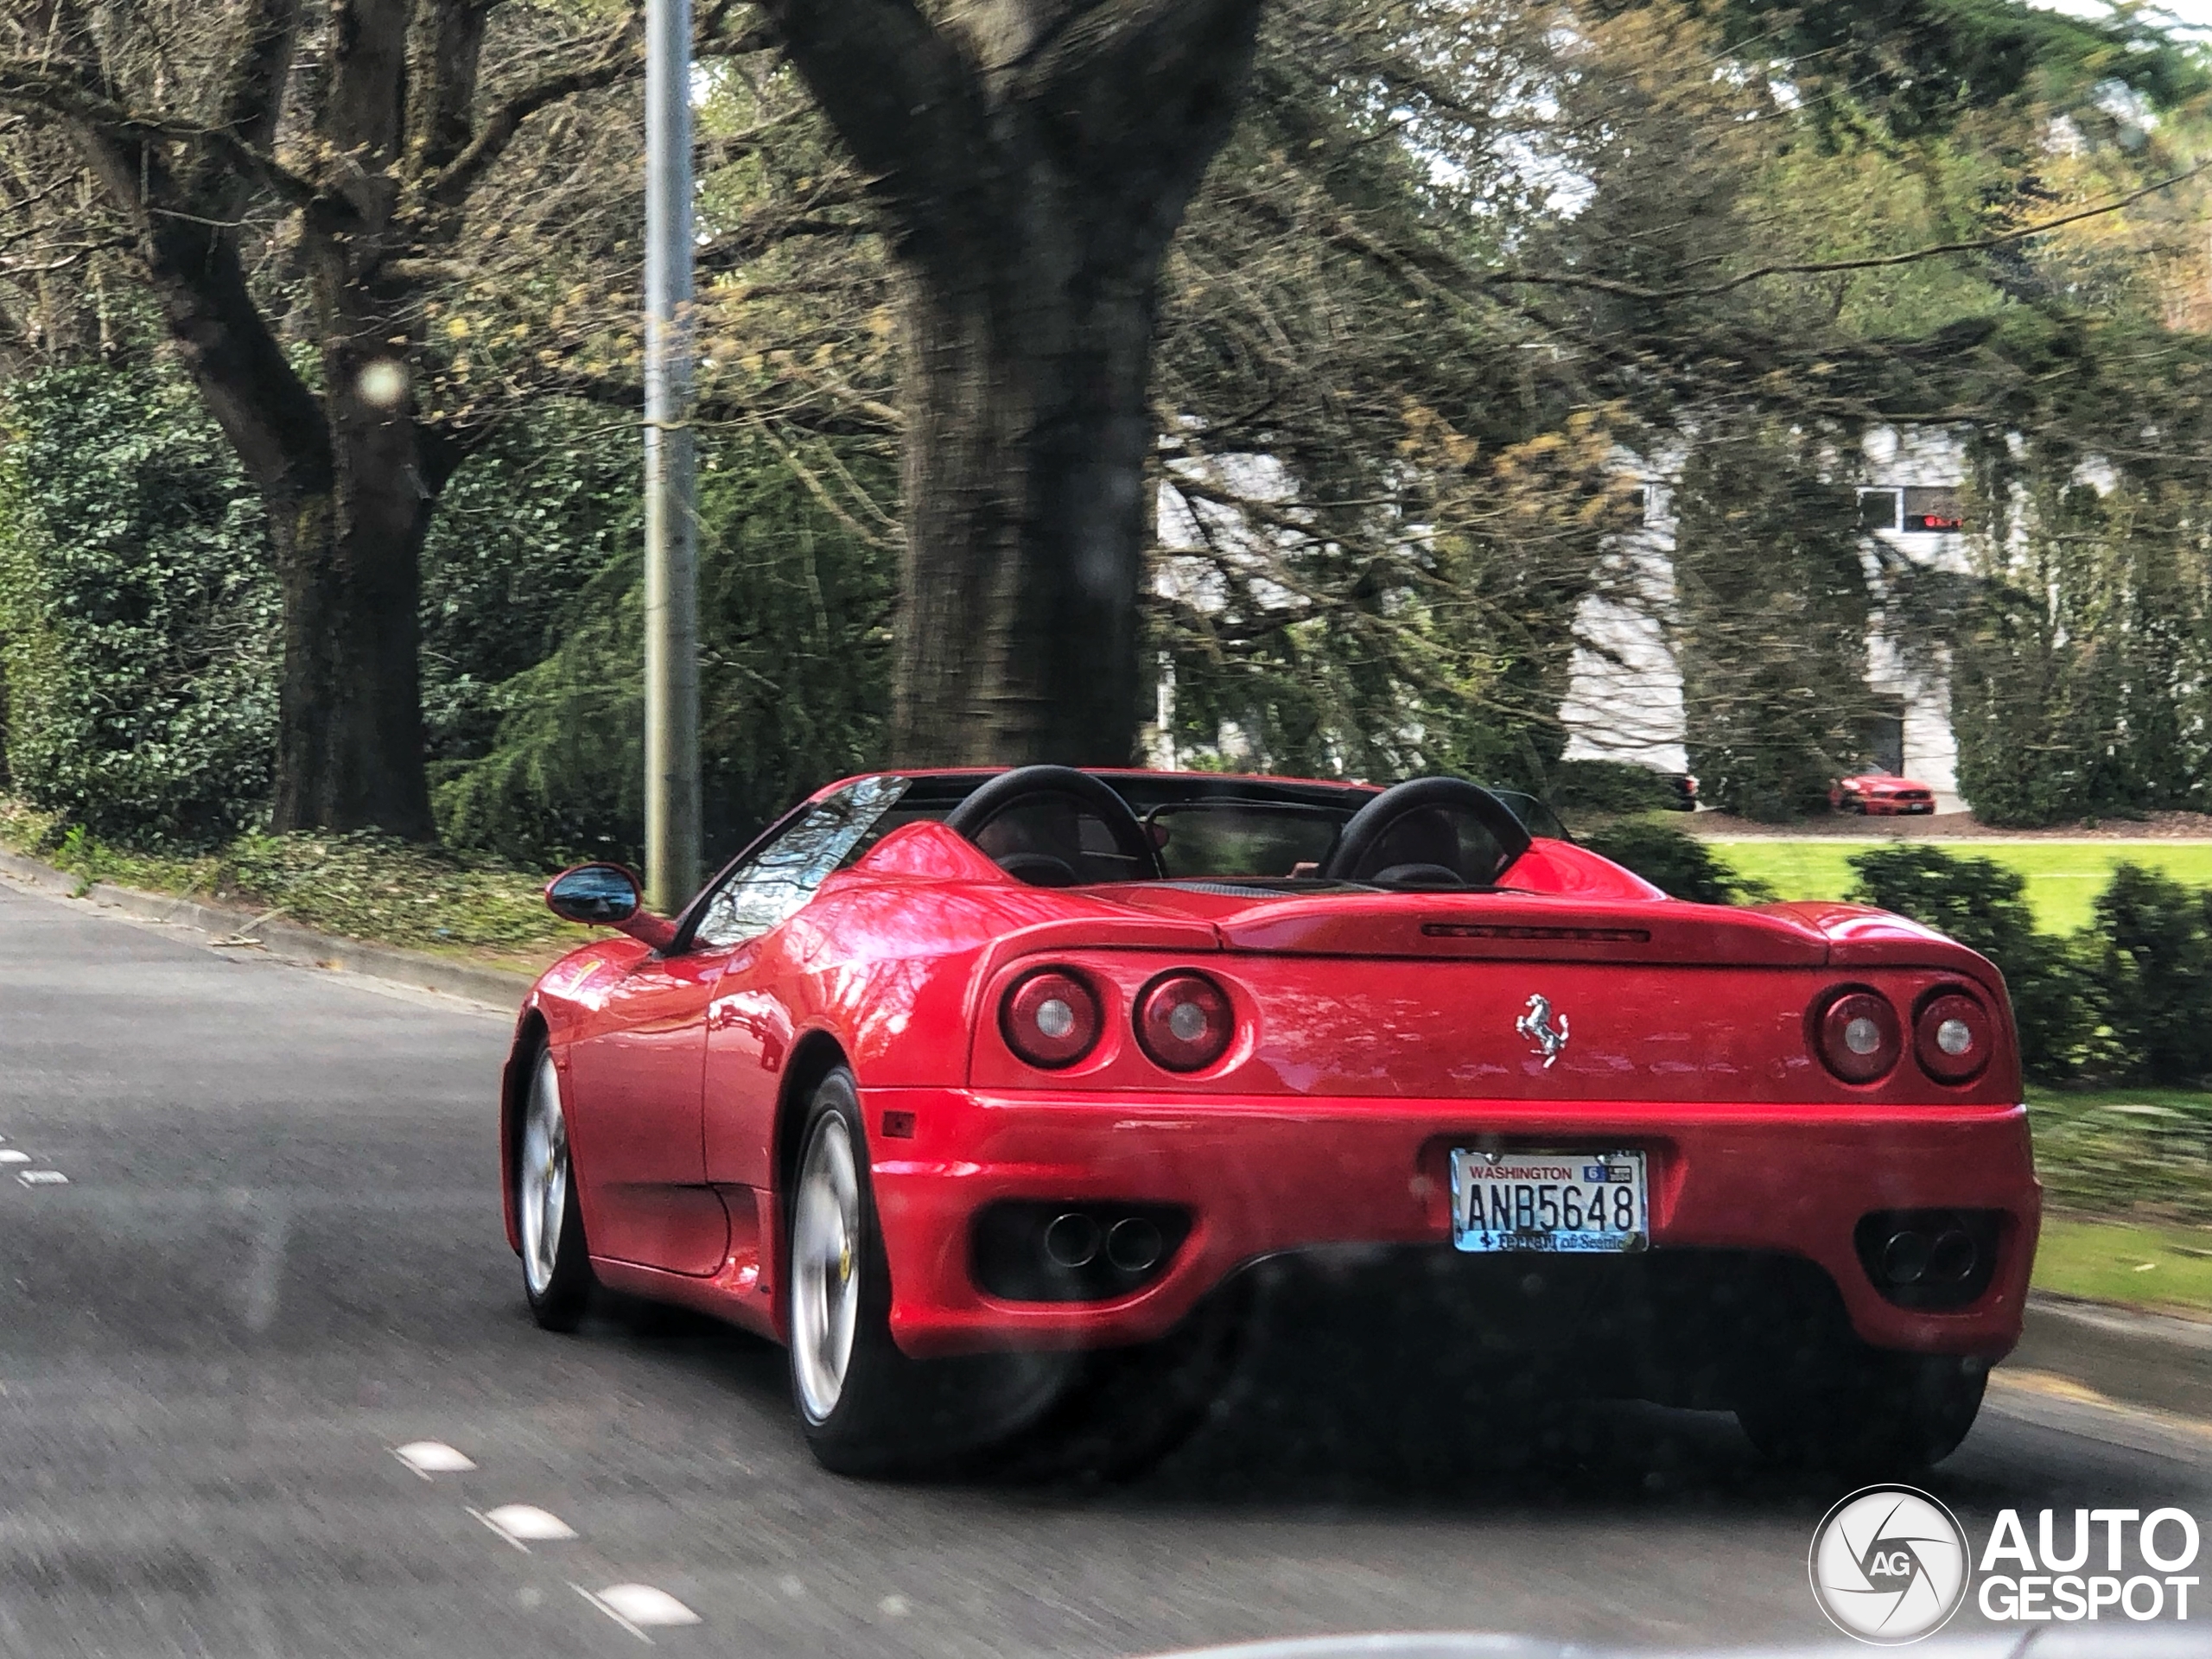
{"points": [[1499, 931]]}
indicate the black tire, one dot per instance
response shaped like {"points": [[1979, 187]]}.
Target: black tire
{"points": [[888, 1415], [1881, 1414], [1127, 1408], [558, 1281]]}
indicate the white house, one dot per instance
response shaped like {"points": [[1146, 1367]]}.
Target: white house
{"points": [[1625, 700]]}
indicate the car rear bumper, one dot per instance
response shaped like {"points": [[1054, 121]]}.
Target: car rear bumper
{"points": [[1269, 1176]]}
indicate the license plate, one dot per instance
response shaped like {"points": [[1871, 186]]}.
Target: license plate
{"points": [[1578, 1202]]}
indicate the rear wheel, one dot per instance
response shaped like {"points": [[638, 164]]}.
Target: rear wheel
{"points": [[556, 1265], [1128, 1408], [1882, 1414], [866, 1408]]}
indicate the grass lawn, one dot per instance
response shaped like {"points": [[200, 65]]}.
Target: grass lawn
{"points": [[2127, 1189], [2063, 877], [2115, 1262], [364, 887]]}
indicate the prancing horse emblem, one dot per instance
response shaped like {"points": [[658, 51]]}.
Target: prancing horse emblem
{"points": [[1536, 1026]]}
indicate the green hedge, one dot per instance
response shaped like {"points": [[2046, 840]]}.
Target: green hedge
{"points": [[1676, 862], [138, 610], [2127, 1000]]}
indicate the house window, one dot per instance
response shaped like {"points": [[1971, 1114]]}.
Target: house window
{"points": [[1932, 510], [1878, 509]]}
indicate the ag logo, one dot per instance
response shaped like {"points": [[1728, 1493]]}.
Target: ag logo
{"points": [[1889, 1565]]}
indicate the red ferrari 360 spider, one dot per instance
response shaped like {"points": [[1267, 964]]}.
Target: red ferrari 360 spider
{"points": [[982, 1092]]}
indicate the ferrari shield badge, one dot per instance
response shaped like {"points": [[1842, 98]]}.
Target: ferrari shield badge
{"points": [[1548, 1035]]}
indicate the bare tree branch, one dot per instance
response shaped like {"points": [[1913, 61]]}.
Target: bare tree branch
{"points": [[55, 91], [620, 57], [1824, 267]]}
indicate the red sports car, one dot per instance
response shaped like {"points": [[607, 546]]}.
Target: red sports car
{"points": [[1881, 794], [981, 1092]]}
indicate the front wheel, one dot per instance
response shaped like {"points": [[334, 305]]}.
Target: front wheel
{"points": [[556, 1265], [1887, 1414], [867, 1408]]}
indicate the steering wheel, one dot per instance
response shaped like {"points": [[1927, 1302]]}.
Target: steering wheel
{"points": [[1362, 847], [1026, 785]]}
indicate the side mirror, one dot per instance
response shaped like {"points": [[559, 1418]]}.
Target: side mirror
{"points": [[607, 895]]}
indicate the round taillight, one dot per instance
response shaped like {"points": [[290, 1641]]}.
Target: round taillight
{"points": [[1184, 1022], [1859, 1040], [1954, 1037], [1050, 1018]]}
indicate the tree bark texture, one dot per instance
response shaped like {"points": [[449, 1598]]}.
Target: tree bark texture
{"points": [[1034, 158]]}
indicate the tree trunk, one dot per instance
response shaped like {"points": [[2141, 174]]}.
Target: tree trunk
{"points": [[350, 748], [1027, 440], [1034, 158], [350, 742]]}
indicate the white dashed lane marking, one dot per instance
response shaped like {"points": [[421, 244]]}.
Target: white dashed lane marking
{"points": [[9, 1155], [638, 1607], [524, 1524], [41, 1177], [429, 1458]]}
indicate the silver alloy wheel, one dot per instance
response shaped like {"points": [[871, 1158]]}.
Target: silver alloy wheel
{"points": [[825, 1268], [541, 1194]]}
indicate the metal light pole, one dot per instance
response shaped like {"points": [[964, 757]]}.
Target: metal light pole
{"points": [[672, 470]]}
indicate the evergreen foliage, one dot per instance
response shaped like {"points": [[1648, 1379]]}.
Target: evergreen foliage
{"points": [[1983, 906], [137, 609], [794, 607], [2081, 682], [2152, 964], [1774, 601], [1676, 862]]}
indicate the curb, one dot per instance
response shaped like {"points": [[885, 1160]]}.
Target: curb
{"points": [[283, 941], [2123, 1353]]}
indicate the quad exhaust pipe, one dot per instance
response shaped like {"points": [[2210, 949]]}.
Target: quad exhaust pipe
{"points": [[1910, 1256], [1132, 1244], [1929, 1258], [1073, 1250]]}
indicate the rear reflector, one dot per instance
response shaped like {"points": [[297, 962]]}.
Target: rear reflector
{"points": [[1858, 1036], [1050, 1018], [1952, 1038], [1184, 1021]]}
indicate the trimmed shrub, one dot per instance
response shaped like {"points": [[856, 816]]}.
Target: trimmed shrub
{"points": [[1673, 860], [2152, 956], [1611, 786], [1984, 907]]}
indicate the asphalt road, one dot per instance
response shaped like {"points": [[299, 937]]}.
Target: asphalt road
{"points": [[277, 1258]]}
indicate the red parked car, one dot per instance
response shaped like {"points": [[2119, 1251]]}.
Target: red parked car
{"points": [[1881, 794], [982, 1092]]}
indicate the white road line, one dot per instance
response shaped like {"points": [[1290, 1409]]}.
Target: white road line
{"points": [[524, 1524], [428, 1458], [636, 1607], [9, 1155], [611, 1613], [41, 1177]]}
